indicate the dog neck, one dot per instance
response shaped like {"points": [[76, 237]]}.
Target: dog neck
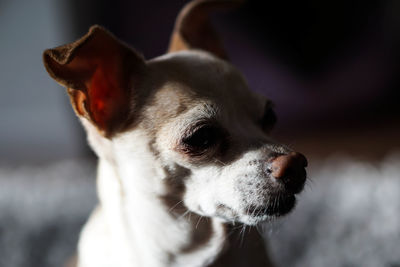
{"points": [[145, 230]]}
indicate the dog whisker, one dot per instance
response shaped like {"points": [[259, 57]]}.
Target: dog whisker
{"points": [[242, 236], [190, 216], [262, 228], [198, 221], [184, 214], [309, 183], [277, 202], [219, 161], [174, 206]]}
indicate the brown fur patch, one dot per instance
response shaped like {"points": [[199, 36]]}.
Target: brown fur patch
{"points": [[175, 182]]}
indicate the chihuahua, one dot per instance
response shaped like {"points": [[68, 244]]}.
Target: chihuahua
{"points": [[184, 150]]}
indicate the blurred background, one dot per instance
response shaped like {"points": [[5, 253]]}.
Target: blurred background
{"points": [[331, 68]]}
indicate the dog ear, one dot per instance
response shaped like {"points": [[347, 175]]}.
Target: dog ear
{"points": [[100, 73], [193, 29]]}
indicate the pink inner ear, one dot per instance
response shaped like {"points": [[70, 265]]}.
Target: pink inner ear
{"points": [[104, 93]]}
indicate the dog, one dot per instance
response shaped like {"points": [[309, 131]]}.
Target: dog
{"points": [[185, 154]]}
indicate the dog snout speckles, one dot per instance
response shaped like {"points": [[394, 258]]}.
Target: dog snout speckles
{"points": [[268, 184], [253, 162], [253, 188]]}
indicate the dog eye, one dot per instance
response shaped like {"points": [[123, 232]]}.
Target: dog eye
{"points": [[201, 139], [268, 120]]}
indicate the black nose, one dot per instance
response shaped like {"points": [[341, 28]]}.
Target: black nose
{"points": [[289, 169]]}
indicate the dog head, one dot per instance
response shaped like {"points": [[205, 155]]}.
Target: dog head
{"points": [[187, 117]]}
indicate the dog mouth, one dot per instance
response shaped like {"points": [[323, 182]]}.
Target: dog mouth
{"points": [[276, 206]]}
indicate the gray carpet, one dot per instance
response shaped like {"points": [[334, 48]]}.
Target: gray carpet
{"points": [[42, 209], [349, 215]]}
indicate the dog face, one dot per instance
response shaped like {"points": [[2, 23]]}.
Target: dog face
{"points": [[187, 119], [218, 130]]}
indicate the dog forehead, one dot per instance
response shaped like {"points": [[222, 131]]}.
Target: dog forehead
{"points": [[189, 77]]}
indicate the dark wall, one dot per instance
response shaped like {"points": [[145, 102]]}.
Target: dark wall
{"points": [[326, 64], [322, 62]]}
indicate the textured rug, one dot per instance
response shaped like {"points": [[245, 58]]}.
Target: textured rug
{"points": [[348, 215]]}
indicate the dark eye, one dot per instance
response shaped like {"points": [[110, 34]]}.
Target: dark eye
{"points": [[269, 119], [202, 138]]}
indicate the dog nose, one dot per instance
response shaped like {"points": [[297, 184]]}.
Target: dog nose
{"points": [[283, 164], [289, 169]]}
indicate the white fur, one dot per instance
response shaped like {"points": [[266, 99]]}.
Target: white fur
{"points": [[132, 227]]}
